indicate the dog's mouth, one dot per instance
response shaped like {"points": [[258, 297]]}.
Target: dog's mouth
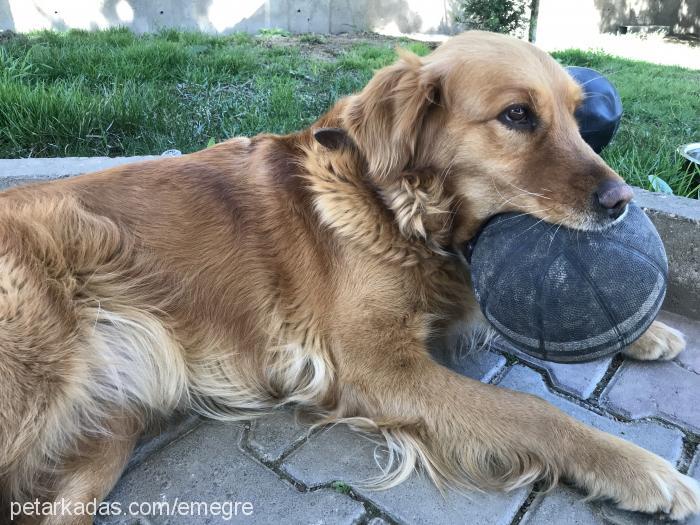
{"points": [[594, 222], [591, 219], [581, 221]]}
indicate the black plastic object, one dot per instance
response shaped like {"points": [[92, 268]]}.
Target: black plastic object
{"points": [[600, 113], [568, 295]]}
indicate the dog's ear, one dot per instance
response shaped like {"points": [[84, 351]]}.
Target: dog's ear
{"points": [[386, 117], [333, 138]]}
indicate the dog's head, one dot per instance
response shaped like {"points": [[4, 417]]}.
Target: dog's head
{"points": [[494, 117]]}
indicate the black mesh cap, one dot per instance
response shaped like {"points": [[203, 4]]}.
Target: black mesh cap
{"points": [[569, 295], [599, 115]]}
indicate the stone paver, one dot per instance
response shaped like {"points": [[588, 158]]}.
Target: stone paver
{"points": [[478, 364], [470, 358], [207, 466], [690, 357], [666, 442], [664, 390], [578, 379], [162, 435], [565, 505], [197, 461], [339, 454], [694, 471], [377, 521], [272, 435]]}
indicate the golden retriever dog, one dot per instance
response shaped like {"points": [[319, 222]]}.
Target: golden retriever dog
{"points": [[316, 269]]}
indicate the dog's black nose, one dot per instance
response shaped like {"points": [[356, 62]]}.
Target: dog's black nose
{"points": [[613, 197]]}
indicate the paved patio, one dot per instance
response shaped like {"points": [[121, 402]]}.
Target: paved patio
{"points": [[279, 473]]}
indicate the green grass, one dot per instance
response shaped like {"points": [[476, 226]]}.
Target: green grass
{"points": [[115, 93], [661, 111]]}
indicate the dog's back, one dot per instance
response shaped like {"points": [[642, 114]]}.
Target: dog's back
{"points": [[124, 294]]}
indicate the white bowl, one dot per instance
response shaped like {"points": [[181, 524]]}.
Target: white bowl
{"points": [[691, 151]]}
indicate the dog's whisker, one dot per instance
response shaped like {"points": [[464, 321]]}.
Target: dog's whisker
{"points": [[526, 213], [528, 192], [508, 200], [557, 231], [543, 219]]}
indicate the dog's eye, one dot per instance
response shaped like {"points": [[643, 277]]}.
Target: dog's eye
{"points": [[517, 113], [518, 117]]}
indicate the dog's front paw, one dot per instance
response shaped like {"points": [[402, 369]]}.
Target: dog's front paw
{"points": [[660, 341], [686, 498], [664, 490], [639, 481]]}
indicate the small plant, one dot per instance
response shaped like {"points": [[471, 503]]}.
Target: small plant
{"points": [[312, 38], [499, 16], [341, 487], [274, 32]]}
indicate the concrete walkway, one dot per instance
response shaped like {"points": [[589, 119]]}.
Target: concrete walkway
{"points": [[285, 475], [650, 48]]}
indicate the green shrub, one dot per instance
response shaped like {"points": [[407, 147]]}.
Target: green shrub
{"points": [[499, 16]]}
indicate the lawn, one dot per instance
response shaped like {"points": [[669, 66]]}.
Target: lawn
{"points": [[114, 93]]}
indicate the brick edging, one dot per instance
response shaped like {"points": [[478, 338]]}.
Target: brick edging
{"points": [[678, 221]]}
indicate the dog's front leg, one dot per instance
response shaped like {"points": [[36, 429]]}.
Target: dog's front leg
{"points": [[467, 431]]}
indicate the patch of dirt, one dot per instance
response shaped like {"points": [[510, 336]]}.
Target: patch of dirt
{"points": [[328, 47]]}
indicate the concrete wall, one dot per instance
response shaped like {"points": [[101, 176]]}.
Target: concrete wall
{"points": [[225, 16], [559, 19], [578, 21]]}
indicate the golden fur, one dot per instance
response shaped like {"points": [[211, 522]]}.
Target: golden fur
{"points": [[277, 270]]}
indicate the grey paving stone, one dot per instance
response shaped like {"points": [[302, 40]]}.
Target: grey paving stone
{"points": [[478, 364], [661, 389], [270, 436], [469, 358], [578, 379], [377, 521], [655, 389], [208, 466], [564, 504], [690, 357], [339, 454], [694, 472], [666, 442], [162, 434]]}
